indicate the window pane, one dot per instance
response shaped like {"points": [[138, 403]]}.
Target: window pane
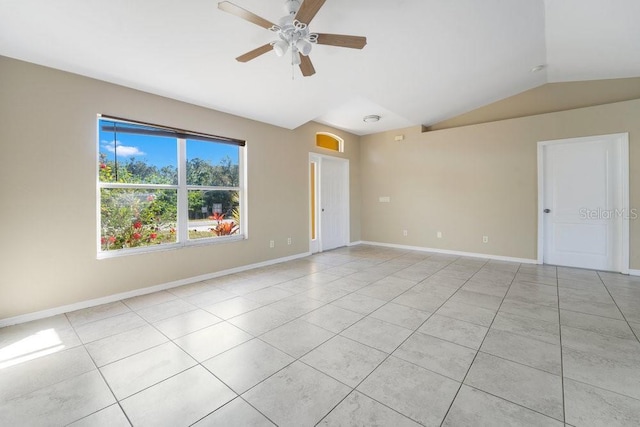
{"points": [[136, 218], [135, 157], [213, 214], [211, 164], [330, 142]]}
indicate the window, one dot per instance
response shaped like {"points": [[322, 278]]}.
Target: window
{"points": [[161, 187], [329, 141]]}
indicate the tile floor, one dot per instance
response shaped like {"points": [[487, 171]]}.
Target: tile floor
{"points": [[360, 336]]}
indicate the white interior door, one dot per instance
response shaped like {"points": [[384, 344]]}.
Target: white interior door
{"points": [[584, 202], [332, 202]]}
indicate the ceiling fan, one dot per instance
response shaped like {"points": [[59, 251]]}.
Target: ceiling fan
{"points": [[293, 33]]}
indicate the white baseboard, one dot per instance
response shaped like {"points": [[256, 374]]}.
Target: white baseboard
{"points": [[458, 253], [359, 242], [23, 318], [634, 272]]}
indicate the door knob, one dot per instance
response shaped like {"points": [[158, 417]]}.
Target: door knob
{"points": [[547, 211]]}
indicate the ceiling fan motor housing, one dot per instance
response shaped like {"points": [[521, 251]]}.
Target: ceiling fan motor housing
{"points": [[292, 6]]}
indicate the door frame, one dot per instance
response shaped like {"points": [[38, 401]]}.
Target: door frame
{"points": [[316, 247], [623, 140]]}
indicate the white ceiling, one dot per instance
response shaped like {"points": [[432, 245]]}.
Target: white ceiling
{"points": [[426, 60]]}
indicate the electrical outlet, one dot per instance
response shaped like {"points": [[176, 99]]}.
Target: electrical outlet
{"points": [[272, 244], [405, 233], [289, 241], [439, 234], [485, 239]]}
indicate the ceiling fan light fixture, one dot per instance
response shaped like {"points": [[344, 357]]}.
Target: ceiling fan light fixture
{"points": [[280, 47], [371, 118], [293, 33], [295, 57], [304, 47]]}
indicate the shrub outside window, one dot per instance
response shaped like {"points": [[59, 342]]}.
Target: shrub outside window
{"points": [[161, 187]]}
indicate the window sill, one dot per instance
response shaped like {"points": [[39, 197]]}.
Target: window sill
{"points": [[169, 247]]}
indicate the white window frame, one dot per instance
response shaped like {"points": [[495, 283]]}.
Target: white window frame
{"points": [[182, 225]]}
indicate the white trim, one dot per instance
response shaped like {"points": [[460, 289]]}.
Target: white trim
{"points": [[539, 207], [117, 253], [137, 292], [182, 195], [244, 191], [347, 201], [626, 203], [624, 160], [449, 252], [359, 242], [97, 192], [634, 272]]}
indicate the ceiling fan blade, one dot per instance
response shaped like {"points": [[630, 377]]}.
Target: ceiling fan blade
{"points": [[255, 53], [340, 40], [306, 66], [308, 10], [245, 14]]}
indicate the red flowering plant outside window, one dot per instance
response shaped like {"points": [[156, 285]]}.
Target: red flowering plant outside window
{"points": [[131, 218]]}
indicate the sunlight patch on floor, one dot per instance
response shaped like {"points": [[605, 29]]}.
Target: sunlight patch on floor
{"points": [[32, 347]]}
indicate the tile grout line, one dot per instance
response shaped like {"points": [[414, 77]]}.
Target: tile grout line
{"points": [[478, 351], [389, 355], [521, 364], [618, 307], [515, 403], [103, 379], [325, 303], [284, 367], [354, 389], [201, 364], [416, 330], [564, 404], [170, 340]]}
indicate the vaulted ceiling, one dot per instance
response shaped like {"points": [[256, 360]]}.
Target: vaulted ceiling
{"points": [[426, 61]]}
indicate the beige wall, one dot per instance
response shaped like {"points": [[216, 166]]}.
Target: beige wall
{"points": [[48, 189], [548, 98], [478, 180], [465, 182]]}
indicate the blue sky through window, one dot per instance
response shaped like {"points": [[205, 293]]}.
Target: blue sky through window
{"points": [[160, 151]]}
